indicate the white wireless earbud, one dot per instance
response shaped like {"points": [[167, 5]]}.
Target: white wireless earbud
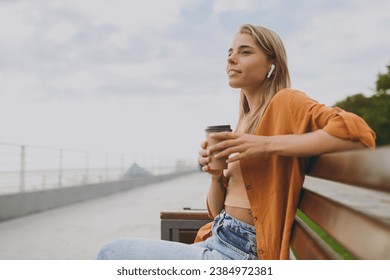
{"points": [[270, 71]]}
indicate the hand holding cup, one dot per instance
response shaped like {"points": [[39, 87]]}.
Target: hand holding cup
{"points": [[211, 164]]}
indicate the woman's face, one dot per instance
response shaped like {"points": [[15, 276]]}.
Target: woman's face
{"points": [[247, 65]]}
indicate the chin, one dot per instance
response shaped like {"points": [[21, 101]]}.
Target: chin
{"points": [[234, 85]]}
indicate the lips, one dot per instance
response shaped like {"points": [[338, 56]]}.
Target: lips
{"points": [[233, 71]]}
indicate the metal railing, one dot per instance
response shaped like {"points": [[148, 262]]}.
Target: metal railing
{"points": [[29, 168]]}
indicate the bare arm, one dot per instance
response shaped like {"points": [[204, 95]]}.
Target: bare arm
{"points": [[217, 190], [303, 145], [216, 196], [311, 144]]}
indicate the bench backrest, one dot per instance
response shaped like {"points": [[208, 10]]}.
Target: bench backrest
{"points": [[327, 228]]}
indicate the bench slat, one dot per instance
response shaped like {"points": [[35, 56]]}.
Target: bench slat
{"points": [[185, 215], [364, 168], [306, 245], [362, 236]]}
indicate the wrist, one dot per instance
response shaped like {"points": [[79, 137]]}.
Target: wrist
{"points": [[276, 145], [221, 180], [216, 177]]}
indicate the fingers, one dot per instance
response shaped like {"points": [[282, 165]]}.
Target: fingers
{"points": [[229, 144], [204, 158], [224, 135], [205, 168], [204, 153], [226, 153], [204, 145], [235, 158], [225, 146]]}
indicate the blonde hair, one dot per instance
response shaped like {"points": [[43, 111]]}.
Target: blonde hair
{"points": [[271, 44]]}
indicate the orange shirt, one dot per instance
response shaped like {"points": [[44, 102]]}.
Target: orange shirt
{"points": [[273, 182]]}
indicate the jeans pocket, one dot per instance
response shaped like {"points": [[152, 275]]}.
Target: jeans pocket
{"points": [[233, 244]]}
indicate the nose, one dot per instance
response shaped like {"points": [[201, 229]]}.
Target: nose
{"points": [[232, 59]]}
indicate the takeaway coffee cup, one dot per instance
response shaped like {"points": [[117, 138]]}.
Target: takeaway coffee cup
{"points": [[216, 164]]}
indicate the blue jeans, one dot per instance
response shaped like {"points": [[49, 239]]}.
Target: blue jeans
{"points": [[231, 240]]}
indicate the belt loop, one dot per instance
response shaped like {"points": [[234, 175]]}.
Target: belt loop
{"points": [[221, 217], [224, 213]]}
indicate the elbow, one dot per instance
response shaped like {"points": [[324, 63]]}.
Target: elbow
{"points": [[368, 142]]}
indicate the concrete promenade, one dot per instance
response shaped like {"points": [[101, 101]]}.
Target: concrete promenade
{"points": [[77, 231]]}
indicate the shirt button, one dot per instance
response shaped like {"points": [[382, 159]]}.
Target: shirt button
{"points": [[248, 187], [260, 251], [255, 219]]}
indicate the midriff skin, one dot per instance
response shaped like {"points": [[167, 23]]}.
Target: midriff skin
{"points": [[242, 214], [234, 176]]}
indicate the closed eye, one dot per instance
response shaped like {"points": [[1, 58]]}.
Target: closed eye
{"points": [[244, 50]]}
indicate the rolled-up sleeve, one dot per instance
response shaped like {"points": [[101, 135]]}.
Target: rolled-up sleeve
{"points": [[349, 126], [309, 115]]}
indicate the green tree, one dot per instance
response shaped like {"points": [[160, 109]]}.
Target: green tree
{"points": [[375, 110], [383, 82]]}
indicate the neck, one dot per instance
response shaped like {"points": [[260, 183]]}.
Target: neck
{"points": [[253, 97]]}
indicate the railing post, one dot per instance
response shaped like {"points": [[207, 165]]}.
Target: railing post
{"points": [[86, 167], [122, 166], [106, 167], [60, 172], [22, 168]]}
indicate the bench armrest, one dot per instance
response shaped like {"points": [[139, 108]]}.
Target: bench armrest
{"points": [[182, 226]]}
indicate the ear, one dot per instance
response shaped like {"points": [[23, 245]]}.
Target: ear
{"points": [[270, 71]]}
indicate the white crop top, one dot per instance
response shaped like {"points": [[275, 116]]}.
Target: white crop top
{"points": [[235, 193]]}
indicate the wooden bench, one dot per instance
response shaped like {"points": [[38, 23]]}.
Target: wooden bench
{"points": [[343, 213]]}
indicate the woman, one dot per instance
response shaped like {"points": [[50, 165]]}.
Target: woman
{"points": [[253, 202]]}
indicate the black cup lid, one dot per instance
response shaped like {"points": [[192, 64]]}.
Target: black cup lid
{"points": [[216, 128]]}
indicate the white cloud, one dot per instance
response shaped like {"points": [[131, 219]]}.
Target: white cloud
{"points": [[120, 66], [129, 14], [13, 26], [339, 52], [61, 32], [221, 6]]}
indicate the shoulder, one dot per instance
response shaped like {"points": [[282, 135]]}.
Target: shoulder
{"points": [[289, 94], [291, 97]]}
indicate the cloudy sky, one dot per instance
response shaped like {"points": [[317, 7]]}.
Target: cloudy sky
{"points": [[146, 77]]}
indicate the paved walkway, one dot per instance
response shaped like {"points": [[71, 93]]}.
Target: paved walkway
{"points": [[77, 231]]}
